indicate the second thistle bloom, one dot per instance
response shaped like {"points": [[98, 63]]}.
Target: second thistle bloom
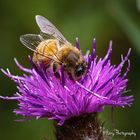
{"points": [[40, 94]]}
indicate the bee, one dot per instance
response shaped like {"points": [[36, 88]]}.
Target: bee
{"points": [[52, 49]]}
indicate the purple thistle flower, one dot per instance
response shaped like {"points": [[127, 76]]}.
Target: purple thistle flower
{"points": [[40, 94]]}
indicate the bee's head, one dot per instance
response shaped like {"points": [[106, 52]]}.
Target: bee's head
{"points": [[80, 70], [75, 64]]}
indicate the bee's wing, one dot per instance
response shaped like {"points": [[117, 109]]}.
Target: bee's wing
{"points": [[48, 28], [31, 41]]}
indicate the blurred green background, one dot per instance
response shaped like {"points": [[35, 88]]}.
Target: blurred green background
{"points": [[117, 20]]}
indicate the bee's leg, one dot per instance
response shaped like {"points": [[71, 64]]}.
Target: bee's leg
{"points": [[54, 67], [55, 70]]}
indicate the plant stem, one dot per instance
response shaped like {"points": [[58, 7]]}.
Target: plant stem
{"points": [[85, 127]]}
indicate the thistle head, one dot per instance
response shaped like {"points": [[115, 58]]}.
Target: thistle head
{"points": [[41, 94]]}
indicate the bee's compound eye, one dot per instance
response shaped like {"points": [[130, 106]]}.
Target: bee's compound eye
{"points": [[80, 71]]}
